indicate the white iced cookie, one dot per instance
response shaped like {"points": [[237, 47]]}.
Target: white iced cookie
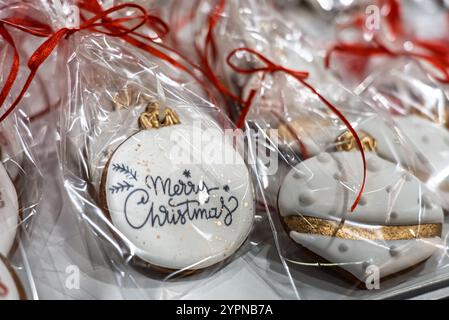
{"points": [[396, 225], [9, 212], [428, 153], [176, 199], [10, 286]]}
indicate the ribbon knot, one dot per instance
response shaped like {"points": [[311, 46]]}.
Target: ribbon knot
{"points": [[269, 66], [32, 27], [301, 76]]}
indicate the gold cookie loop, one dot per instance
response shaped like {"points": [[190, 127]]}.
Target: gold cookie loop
{"points": [[150, 119], [346, 142], [330, 228]]}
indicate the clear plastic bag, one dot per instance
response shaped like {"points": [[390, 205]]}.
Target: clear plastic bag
{"points": [[394, 240], [410, 85], [155, 171], [23, 135]]}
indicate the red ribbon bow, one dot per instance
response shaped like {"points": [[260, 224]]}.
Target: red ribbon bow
{"points": [[271, 68], [433, 52], [30, 26], [267, 67]]}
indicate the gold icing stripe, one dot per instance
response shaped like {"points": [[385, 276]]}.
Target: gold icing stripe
{"points": [[318, 226]]}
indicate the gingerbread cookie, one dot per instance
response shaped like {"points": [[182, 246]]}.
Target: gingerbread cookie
{"points": [[9, 212], [180, 206], [396, 225], [417, 136], [10, 286]]}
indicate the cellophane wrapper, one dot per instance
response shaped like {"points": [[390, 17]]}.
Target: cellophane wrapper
{"points": [[111, 84], [405, 87], [21, 144], [311, 169]]}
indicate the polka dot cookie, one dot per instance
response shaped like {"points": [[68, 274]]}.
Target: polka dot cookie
{"points": [[419, 145], [396, 225]]}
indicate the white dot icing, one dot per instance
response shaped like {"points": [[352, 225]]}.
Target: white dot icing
{"points": [[8, 286], [423, 138], [332, 201], [306, 199], [178, 215], [9, 216], [333, 198]]}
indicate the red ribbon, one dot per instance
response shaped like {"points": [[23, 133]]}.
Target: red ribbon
{"points": [[434, 52], [393, 17], [270, 68], [147, 43], [209, 45], [46, 48]]}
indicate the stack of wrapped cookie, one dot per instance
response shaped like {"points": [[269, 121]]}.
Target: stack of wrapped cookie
{"points": [[184, 129]]}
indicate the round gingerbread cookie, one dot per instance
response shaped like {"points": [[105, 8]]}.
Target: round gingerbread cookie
{"points": [[181, 195], [396, 225], [9, 212], [10, 285]]}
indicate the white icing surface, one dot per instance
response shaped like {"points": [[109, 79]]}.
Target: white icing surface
{"points": [[195, 242], [9, 216], [429, 141], [8, 287], [325, 186], [432, 143], [355, 256]]}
